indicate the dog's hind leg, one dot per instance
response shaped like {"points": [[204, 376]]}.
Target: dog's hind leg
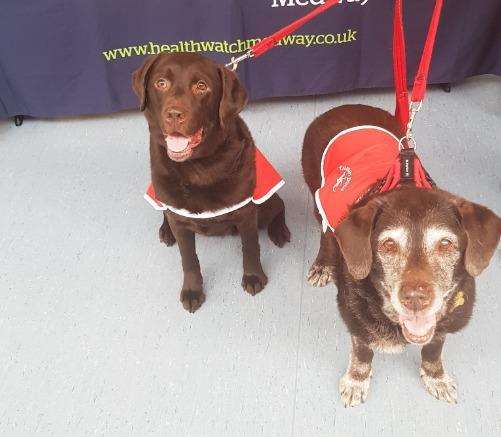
{"points": [[322, 270], [438, 383], [165, 234], [271, 214], [354, 385]]}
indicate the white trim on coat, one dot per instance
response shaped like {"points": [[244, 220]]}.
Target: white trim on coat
{"points": [[160, 206]]}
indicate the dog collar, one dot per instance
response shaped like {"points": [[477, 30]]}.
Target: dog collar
{"points": [[268, 182]]}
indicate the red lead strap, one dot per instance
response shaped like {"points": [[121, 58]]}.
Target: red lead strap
{"points": [[408, 167], [405, 112], [271, 41]]}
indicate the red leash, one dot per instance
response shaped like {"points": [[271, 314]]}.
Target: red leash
{"points": [[408, 167], [405, 112], [271, 41]]}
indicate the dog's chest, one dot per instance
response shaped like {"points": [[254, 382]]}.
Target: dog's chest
{"points": [[211, 227], [364, 313], [387, 346], [221, 225], [386, 337]]}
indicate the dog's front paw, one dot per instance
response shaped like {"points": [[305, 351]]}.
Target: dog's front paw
{"points": [[443, 388], [192, 300], [354, 392], [320, 276], [253, 284], [165, 235]]}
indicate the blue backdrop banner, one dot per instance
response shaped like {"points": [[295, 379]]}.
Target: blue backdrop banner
{"points": [[68, 57]]}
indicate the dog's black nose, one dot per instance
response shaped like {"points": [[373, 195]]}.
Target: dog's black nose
{"points": [[416, 296], [175, 115]]}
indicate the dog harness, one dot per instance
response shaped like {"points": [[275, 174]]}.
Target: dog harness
{"points": [[268, 182], [354, 161]]}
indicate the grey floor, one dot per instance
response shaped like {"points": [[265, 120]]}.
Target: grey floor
{"points": [[94, 341]]}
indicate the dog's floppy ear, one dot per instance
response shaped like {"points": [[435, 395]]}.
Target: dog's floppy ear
{"points": [[483, 230], [140, 81], [233, 95], [354, 237]]}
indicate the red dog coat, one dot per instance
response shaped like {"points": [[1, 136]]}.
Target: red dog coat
{"points": [[268, 182], [353, 161]]}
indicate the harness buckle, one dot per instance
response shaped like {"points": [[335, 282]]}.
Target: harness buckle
{"points": [[233, 64]]}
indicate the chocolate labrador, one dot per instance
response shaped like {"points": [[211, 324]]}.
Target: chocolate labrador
{"points": [[203, 164], [403, 261]]}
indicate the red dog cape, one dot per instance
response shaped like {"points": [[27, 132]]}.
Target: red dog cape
{"points": [[268, 182], [353, 161]]}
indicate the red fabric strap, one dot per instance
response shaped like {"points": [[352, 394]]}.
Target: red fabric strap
{"points": [[400, 66], [399, 61], [270, 41], [393, 179], [421, 80]]}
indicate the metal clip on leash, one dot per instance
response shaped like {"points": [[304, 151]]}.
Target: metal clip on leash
{"points": [[233, 64], [414, 108], [271, 41], [407, 153], [407, 115]]}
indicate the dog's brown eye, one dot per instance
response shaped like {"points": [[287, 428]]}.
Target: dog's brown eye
{"points": [[200, 87], [389, 246], [162, 84], [445, 245]]}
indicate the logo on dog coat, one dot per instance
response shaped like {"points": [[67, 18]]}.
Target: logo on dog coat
{"points": [[344, 180]]}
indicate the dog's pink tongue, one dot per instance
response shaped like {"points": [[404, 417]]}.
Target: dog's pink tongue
{"points": [[418, 325], [177, 143]]}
